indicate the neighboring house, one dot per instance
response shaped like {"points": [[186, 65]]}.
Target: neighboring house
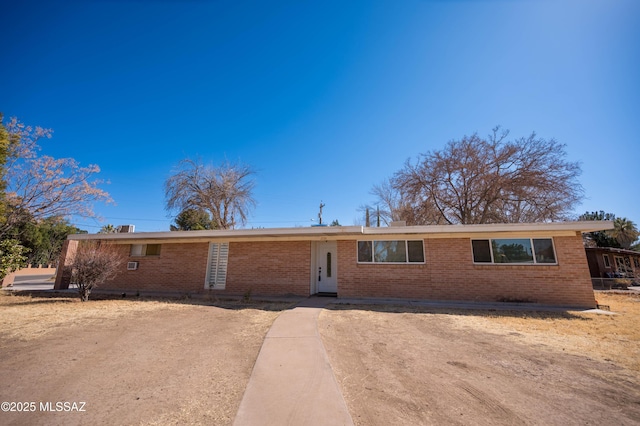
{"points": [[539, 263], [607, 265]]}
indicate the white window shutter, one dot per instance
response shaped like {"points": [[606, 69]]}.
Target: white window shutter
{"points": [[217, 265]]}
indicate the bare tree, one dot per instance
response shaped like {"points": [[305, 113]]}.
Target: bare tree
{"points": [[225, 191], [492, 180], [385, 209], [43, 186], [94, 263]]}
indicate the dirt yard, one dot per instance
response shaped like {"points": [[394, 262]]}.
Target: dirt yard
{"points": [[160, 362], [407, 367], [131, 362]]}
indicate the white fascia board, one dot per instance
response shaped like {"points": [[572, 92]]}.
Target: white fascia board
{"points": [[451, 230], [334, 232], [349, 232]]}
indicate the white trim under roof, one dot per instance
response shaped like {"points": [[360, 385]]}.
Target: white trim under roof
{"points": [[317, 233]]}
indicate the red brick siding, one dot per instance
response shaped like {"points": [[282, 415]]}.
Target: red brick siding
{"points": [[449, 274], [269, 268], [283, 267], [63, 272], [264, 268], [178, 268]]}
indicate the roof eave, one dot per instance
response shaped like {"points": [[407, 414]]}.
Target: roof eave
{"points": [[349, 232]]}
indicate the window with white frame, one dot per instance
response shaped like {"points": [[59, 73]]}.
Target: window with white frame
{"points": [[145, 250], [514, 251], [391, 251], [217, 266]]}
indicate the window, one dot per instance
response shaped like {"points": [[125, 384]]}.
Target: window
{"points": [[217, 266], [514, 251], [145, 250], [636, 262], [607, 261], [392, 251], [623, 266], [481, 251], [543, 249], [365, 253], [416, 251]]}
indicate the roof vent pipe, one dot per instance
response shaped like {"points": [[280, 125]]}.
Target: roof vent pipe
{"points": [[398, 223]]}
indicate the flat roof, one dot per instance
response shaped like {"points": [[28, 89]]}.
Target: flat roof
{"points": [[355, 232], [614, 250]]}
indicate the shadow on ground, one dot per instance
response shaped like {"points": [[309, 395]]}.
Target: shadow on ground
{"points": [[45, 297], [510, 313]]}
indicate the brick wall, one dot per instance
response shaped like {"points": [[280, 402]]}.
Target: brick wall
{"points": [[269, 268], [63, 273], [264, 268], [178, 268], [283, 268], [449, 274]]}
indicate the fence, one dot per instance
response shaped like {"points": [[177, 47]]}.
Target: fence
{"points": [[610, 283], [29, 270]]}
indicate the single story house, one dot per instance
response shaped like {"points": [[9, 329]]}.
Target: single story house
{"points": [[607, 264], [523, 262]]}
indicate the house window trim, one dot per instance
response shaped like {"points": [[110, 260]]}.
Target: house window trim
{"points": [[144, 250], [406, 246], [534, 263]]}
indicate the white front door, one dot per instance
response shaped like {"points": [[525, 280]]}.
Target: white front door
{"points": [[326, 273]]}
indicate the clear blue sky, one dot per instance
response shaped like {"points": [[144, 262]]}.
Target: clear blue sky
{"points": [[324, 99]]}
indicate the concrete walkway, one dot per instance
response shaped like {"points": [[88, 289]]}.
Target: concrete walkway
{"points": [[292, 382]]}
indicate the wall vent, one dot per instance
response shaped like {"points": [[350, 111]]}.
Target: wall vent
{"points": [[132, 266]]}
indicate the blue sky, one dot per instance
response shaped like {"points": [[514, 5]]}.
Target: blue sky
{"points": [[324, 99]]}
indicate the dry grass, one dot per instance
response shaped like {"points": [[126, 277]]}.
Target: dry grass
{"points": [[614, 338], [605, 337], [202, 355], [27, 318]]}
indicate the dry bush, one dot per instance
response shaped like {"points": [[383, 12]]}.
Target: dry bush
{"points": [[94, 263]]}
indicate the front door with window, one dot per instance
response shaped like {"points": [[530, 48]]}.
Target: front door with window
{"points": [[326, 273]]}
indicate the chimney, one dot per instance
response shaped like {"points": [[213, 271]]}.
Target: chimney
{"points": [[126, 229]]}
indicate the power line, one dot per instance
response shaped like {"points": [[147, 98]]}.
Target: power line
{"points": [[130, 218]]}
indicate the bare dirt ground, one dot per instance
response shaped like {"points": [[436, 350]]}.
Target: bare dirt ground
{"points": [[404, 366], [154, 362], [131, 362]]}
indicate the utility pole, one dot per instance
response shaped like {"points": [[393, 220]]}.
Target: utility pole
{"points": [[320, 214]]}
